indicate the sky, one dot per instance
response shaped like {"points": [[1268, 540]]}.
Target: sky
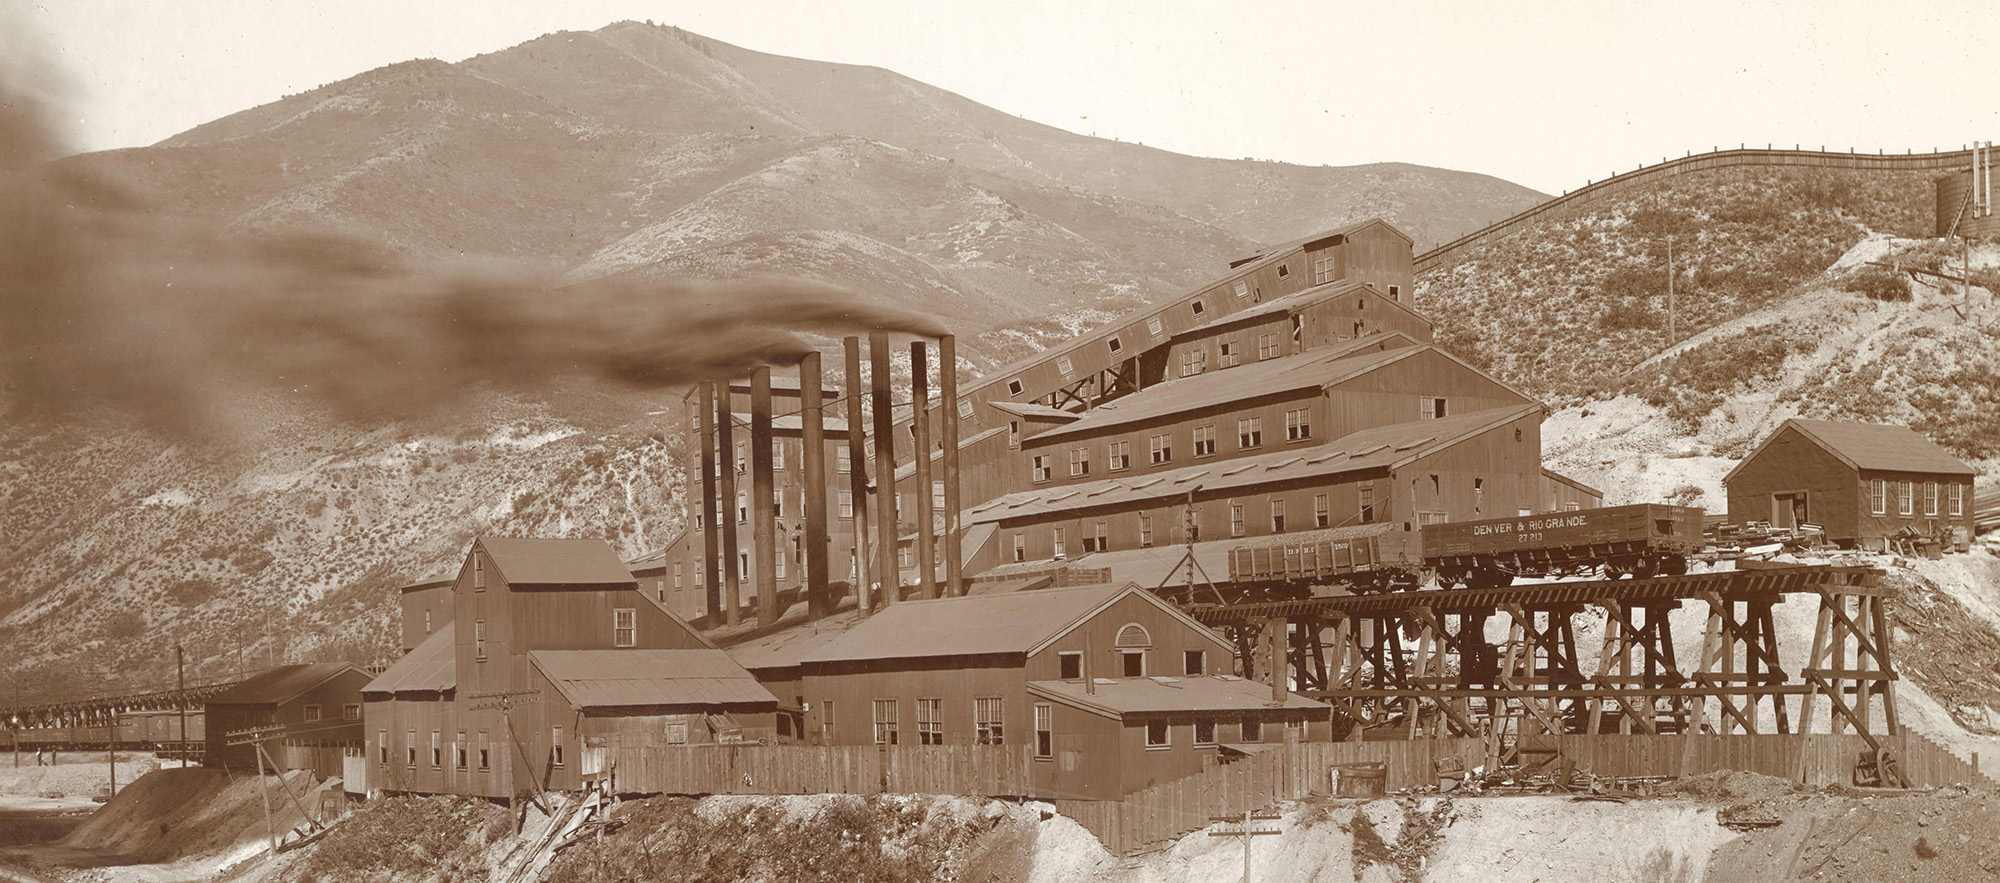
{"points": [[1550, 95]]}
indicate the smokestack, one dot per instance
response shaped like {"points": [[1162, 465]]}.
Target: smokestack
{"points": [[813, 461], [711, 566], [725, 436], [1280, 671], [886, 528], [954, 555], [920, 426], [763, 488], [857, 472]]}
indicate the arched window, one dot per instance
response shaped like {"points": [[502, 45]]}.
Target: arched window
{"points": [[1134, 635]]}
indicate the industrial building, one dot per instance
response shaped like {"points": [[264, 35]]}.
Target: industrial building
{"points": [[1863, 484]]}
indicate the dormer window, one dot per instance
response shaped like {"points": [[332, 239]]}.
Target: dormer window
{"points": [[1014, 387], [1153, 325], [1066, 366], [1115, 344], [1284, 271]]}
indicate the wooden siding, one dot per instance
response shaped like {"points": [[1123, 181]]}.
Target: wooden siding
{"points": [[1170, 637], [1180, 429], [425, 609], [1562, 496], [956, 681], [331, 729], [1838, 496], [981, 770], [1395, 394], [1495, 475]]}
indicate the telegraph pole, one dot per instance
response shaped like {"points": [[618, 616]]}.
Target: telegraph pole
{"points": [[1246, 833], [504, 700], [181, 685], [1671, 337]]}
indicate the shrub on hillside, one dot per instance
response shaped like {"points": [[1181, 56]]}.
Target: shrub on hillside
{"points": [[1880, 283], [1627, 314]]}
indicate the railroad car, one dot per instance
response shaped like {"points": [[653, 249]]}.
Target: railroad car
{"points": [[137, 730], [1368, 557], [1643, 540]]}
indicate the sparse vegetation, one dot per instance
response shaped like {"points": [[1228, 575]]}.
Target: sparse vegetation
{"points": [[439, 839], [1880, 283]]}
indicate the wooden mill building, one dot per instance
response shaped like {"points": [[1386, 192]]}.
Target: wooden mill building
{"points": [[1864, 484], [317, 704]]}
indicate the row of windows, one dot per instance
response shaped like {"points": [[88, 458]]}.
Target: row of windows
{"points": [[1096, 537], [1131, 662], [987, 724], [348, 712], [1906, 493], [1159, 733], [1160, 447], [624, 633]]}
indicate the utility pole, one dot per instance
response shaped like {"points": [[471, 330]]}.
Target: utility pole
{"points": [[1671, 337], [1246, 832], [111, 747], [504, 701], [181, 685]]}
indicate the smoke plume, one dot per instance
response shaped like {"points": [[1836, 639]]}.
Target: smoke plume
{"points": [[106, 299]]}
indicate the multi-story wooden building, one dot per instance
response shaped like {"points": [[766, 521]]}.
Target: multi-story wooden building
{"points": [[1111, 688], [550, 645], [1864, 484], [317, 704]]}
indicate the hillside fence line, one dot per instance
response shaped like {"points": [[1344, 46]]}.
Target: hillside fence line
{"points": [[1170, 810], [1569, 204]]}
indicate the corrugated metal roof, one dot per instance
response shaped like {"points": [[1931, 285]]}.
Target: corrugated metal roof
{"points": [[1308, 370], [614, 678], [784, 648], [555, 562], [1378, 448], [1886, 447], [1297, 300], [281, 684], [1121, 696], [431, 668], [975, 624]]}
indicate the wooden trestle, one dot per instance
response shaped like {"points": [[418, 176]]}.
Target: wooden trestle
{"points": [[1418, 664]]}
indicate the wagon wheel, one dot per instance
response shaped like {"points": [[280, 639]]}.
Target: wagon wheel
{"points": [[1644, 568], [1673, 565], [1617, 568]]}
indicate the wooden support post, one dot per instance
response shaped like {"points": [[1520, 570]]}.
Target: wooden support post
{"points": [[711, 513], [812, 457], [732, 573], [920, 458], [763, 491], [887, 528], [954, 538], [857, 475]]}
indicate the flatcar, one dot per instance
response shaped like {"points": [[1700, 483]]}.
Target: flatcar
{"points": [[1642, 540]]}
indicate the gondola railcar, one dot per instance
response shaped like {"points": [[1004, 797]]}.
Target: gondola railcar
{"points": [[1642, 540], [1368, 558]]}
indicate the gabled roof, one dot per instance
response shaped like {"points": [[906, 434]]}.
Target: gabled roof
{"points": [[1310, 370], [431, 668], [1297, 301], [543, 562], [282, 684], [784, 648], [1875, 446], [1018, 622], [1383, 447], [1336, 233], [1117, 697], [615, 678], [1555, 476]]}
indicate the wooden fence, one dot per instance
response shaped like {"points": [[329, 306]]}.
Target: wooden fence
{"points": [[1171, 810], [998, 770]]}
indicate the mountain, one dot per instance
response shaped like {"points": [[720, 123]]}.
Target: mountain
{"points": [[635, 153]]}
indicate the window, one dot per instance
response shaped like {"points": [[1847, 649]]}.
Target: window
{"points": [[437, 750], [843, 461], [351, 711], [1118, 456], [739, 458], [1204, 441], [1431, 408], [1115, 344], [556, 746], [1134, 663], [1955, 500], [1145, 530], [1066, 366], [1242, 288], [1198, 307], [1435, 517], [1323, 270], [742, 507], [1162, 448], [777, 502], [1396, 292], [1069, 664], [826, 722], [1878, 497], [1253, 729], [479, 639], [1367, 513], [427, 622], [1059, 541], [986, 727], [1905, 497], [312, 713], [1236, 519], [382, 747], [678, 569], [937, 495], [885, 721], [410, 748], [1153, 325], [1930, 498], [1041, 467], [965, 409], [1157, 734], [1277, 516], [1298, 424], [478, 572], [1014, 387], [698, 579], [459, 755], [1284, 271], [1229, 355], [1204, 732], [905, 554], [930, 721], [1079, 462], [485, 753], [677, 732], [1298, 328], [1322, 512], [778, 456], [1045, 730], [846, 499], [1250, 432], [1193, 361], [625, 626], [1193, 662], [1099, 538], [1020, 547], [1267, 345]]}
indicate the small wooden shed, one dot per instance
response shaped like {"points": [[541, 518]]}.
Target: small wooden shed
{"points": [[1865, 484]]}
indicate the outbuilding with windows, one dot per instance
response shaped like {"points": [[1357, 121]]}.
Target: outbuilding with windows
{"points": [[1865, 484]]}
